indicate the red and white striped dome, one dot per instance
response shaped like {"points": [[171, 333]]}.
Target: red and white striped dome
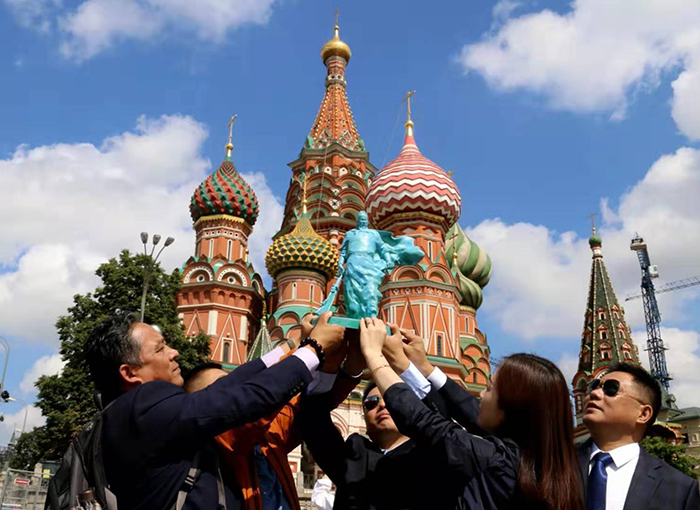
{"points": [[412, 184]]}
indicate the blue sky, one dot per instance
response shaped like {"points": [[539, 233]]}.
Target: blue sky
{"points": [[111, 112]]}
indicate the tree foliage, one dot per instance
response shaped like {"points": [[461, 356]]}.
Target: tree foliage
{"points": [[672, 454], [66, 399]]}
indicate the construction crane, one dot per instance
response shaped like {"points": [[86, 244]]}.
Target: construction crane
{"points": [[678, 284], [655, 345]]}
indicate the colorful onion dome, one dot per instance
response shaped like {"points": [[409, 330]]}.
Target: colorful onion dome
{"points": [[472, 261], [302, 248], [225, 192], [471, 292], [413, 184], [336, 48]]}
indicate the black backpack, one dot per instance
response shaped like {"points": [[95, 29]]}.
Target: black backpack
{"points": [[82, 468]]}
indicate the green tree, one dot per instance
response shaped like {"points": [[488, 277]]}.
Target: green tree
{"points": [[672, 454], [66, 399]]}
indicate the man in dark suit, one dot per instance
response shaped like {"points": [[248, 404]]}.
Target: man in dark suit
{"points": [[617, 473], [152, 429]]}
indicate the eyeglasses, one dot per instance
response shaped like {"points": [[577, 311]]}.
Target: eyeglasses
{"points": [[611, 388], [371, 402]]}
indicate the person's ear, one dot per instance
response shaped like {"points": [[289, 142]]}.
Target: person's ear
{"points": [[645, 414], [129, 374]]}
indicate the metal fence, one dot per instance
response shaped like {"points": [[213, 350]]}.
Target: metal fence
{"points": [[22, 490]]}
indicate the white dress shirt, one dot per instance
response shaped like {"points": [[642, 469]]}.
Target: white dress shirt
{"points": [[620, 472], [323, 495]]}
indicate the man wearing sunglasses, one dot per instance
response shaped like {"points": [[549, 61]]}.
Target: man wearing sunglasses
{"points": [[618, 475]]}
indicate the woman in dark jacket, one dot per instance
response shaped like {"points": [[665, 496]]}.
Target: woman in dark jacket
{"points": [[526, 457]]}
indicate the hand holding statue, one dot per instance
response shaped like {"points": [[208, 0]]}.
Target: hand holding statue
{"points": [[414, 347], [372, 337], [393, 350], [329, 336]]}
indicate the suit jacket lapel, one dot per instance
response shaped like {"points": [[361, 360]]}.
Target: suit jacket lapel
{"points": [[646, 479], [584, 457]]}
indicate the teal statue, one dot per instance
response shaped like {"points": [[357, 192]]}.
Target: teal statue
{"points": [[366, 257]]}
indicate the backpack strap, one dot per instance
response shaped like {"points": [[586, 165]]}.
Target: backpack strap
{"points": [[191, 479], [188, 484]]}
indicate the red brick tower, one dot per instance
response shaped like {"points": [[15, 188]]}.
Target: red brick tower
{"points": [[221, 293]]}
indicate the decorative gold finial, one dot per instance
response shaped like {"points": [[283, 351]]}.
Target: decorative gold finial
{"points": [[263, 319], [450, 172], [229, 145], [409, 122], [337, 13], [304, 202], [247, 253]]}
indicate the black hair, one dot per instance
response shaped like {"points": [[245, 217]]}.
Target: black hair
{"points": [[109, 346], [649, 386], [192, 374], [370, 386]]}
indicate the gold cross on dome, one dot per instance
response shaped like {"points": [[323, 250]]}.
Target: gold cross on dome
{"points": [[454, 248], [592, 217], [230, 128], [337, 13], [407, 100]]}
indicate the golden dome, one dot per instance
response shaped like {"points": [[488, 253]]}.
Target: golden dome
{"points": [[336, 48]]}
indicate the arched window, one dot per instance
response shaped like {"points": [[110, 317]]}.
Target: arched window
{"points": [[211, 248], [430, 251], [439, 345], [311, 293], [294, 290], [229, 248], [227, 352], [601, 315], [474, 377], [603, 334]]}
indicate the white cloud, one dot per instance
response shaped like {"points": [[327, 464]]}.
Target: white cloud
{"points": [[14, 421], [46, 365], [34, 14], [596, 56], [568, 364], [75, 205], [540, 278], [96, 25], [540, 281], [682, 360]]}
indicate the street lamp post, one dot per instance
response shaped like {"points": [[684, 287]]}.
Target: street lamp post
{"points": [[146, 274], [6, 345]]}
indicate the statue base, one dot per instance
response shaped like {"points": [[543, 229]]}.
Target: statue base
{"points": [[347, 322]]}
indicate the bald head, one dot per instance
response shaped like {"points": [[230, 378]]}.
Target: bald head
{"points": [[203, 378]]}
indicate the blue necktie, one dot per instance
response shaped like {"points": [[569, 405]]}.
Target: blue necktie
{"points": [[598, 481]]}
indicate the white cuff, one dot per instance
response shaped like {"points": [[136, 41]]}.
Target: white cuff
{"points": [[416, 381], [272, 357], [321, 383], [309, 358], [437, 378]]}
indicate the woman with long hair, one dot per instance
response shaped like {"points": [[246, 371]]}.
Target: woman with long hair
{"points": [[525, 456]]}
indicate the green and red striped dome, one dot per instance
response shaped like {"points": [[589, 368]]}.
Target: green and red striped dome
{"points": [[225, 192]]}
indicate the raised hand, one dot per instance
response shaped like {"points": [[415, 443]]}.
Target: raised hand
{"points": [[306, 325], [414, 349], [355, 362], [329, 336], [372, 337], [393, 350]]}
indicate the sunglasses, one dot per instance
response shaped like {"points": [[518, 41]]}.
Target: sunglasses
{"points": [[371, 402], [611, 387]]}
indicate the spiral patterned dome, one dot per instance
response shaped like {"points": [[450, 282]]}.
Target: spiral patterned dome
{"points": [[471, 292], [413, 184], [302, 248], [472, 261], [225, 192]]}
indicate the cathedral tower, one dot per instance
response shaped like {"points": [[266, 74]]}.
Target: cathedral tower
{"points": [[606, 338], [221, 294], [438, 298], [333, 172]]}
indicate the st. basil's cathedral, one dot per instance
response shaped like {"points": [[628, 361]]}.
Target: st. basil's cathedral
{"points": [[332, 179]]}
